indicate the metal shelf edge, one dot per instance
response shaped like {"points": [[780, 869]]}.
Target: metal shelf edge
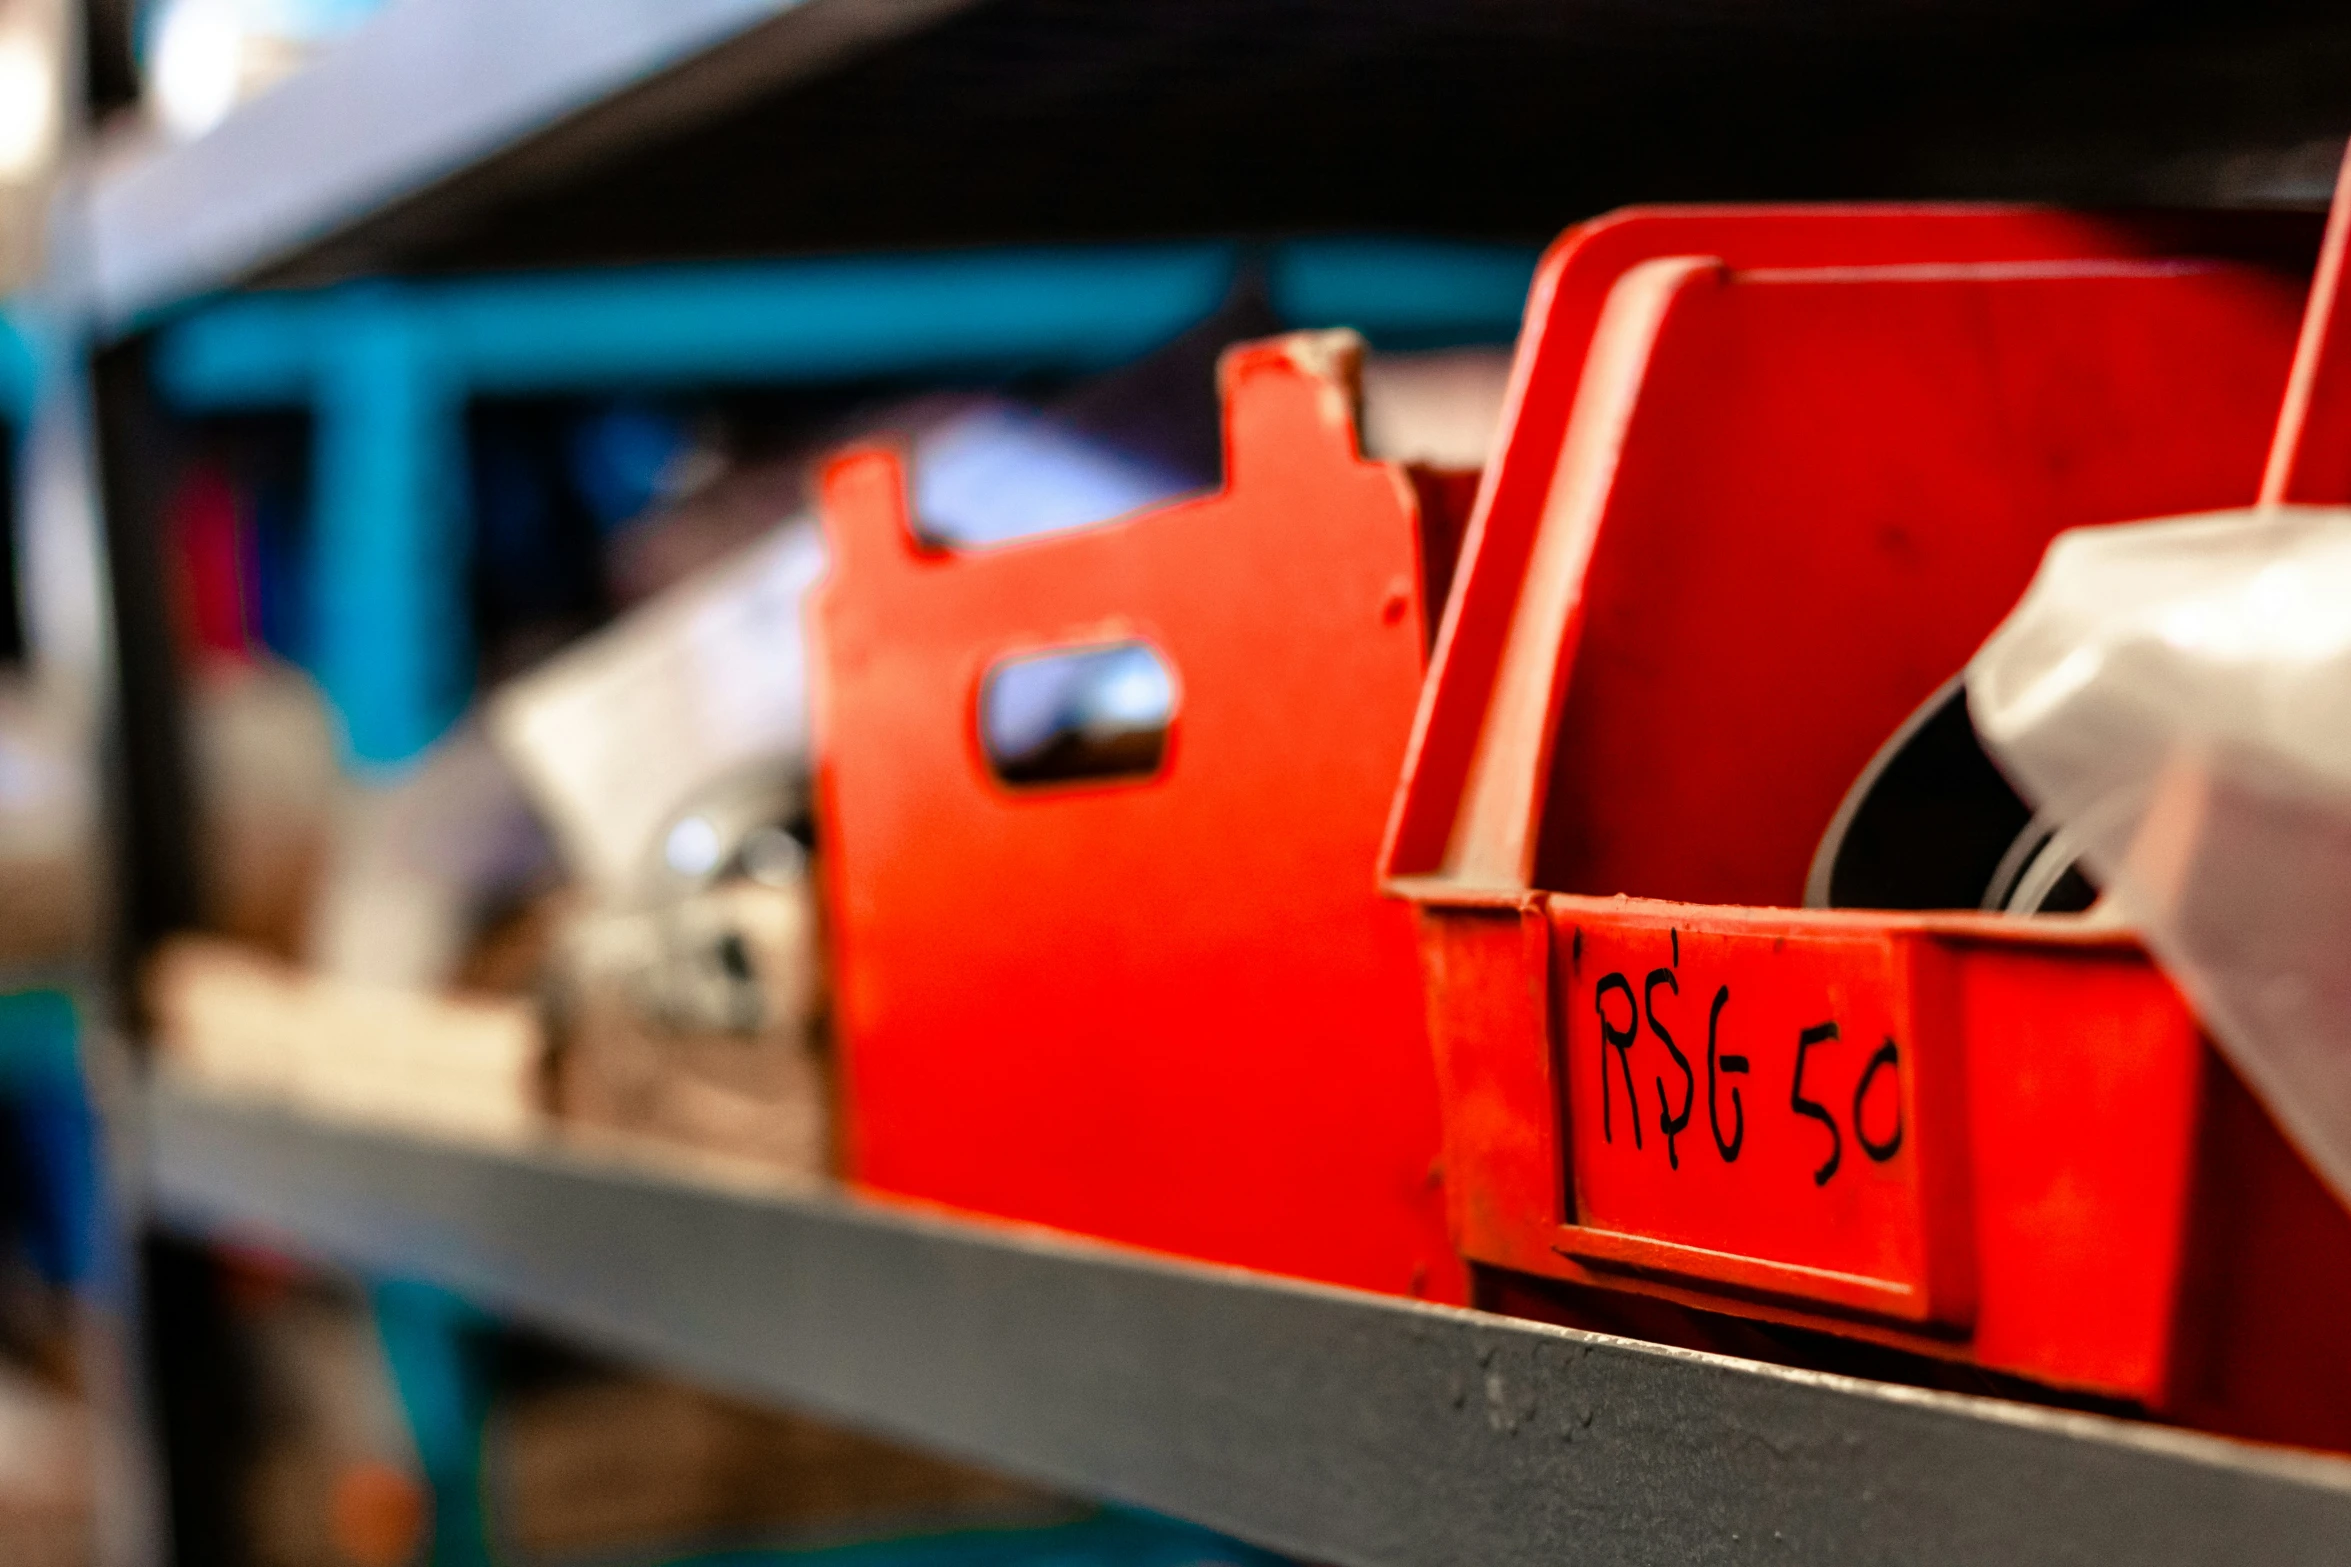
{"points": [[429, 91], [1333, 1425]]}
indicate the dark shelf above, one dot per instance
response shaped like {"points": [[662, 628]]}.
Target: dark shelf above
{"points": [[470, 134]]}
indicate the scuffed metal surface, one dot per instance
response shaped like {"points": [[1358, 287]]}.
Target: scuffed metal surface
{"points": [[1334, 1425]]}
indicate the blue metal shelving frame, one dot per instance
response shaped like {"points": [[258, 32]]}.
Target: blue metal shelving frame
{"points": [[388, 368]]}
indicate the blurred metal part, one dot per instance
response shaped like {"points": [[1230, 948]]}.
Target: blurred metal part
{"points": [[724, 826], [1931, 823]]}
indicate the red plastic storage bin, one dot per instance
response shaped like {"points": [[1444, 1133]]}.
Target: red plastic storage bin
{"points": [[1772, 477], [1171, 1009]]}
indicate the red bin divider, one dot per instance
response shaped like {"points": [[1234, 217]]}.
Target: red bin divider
{"points": [[1175, 1010], [1772, 476]]}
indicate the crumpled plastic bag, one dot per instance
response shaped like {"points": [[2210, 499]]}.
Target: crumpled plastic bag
{"points": [[2177, 694]]}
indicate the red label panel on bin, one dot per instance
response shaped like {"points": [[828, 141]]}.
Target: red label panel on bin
{"points": [[1744, 1108]]}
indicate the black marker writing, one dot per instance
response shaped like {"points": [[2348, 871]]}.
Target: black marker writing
{"points": [[1727, 1064], [1818, 1033], [1621, 1041], [1671, 1124], [1879, 1153]]}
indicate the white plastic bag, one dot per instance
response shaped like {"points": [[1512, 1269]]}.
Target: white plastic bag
{"points": [[2177, 694]]}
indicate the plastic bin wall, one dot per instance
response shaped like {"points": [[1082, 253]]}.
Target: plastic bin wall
{"points": [[1171, 1010], [1773, 476]]}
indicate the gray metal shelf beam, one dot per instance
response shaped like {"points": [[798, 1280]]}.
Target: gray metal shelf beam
{"points": [[488, 94], [1337, 1426]]}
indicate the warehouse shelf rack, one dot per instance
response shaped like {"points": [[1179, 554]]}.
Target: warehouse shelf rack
{"points": [[463, 136], [1338, 1426]]}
